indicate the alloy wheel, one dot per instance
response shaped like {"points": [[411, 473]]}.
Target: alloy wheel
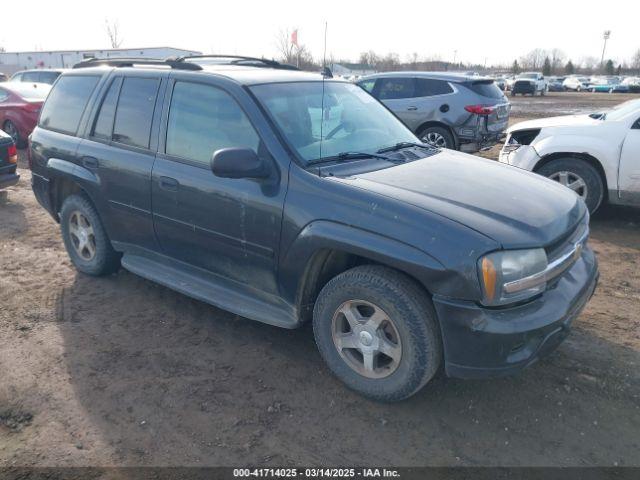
{"points": [[366, 339], [572, 181], [82, 236], [435, 139]]}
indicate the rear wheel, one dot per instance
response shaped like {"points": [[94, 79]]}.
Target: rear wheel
{"points": [[85, 239], [579, 176], [376, 330], [438, 137]]}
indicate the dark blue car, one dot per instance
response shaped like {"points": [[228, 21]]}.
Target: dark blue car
{"points": [[289, 197]]}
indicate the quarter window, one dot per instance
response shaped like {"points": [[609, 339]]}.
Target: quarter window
{"points": [[31, 77], [66, 102], [104, 123], [134, 114], [203, 119]]}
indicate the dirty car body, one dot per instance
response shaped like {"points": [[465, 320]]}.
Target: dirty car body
{"points": [[333, 184]]}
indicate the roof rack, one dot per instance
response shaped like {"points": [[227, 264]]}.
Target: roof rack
{"points": [[238, 60], [130, 62]]}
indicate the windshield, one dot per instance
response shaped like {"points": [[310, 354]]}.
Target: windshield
{"points": [[529, 75], [345, 119], [623, 110]]}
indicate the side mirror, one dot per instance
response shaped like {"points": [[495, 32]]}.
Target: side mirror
{"points": [[238, 162]]}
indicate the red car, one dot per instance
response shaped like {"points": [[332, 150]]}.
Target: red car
{"points": [[20, 105]]}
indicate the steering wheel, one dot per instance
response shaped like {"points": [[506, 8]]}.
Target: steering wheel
{"points": [[347, 126]]}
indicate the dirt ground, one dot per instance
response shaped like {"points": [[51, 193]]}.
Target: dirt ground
{"points": [[121, 371]]}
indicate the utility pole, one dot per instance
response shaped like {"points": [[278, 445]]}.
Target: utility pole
{"points": [[607, 34]]}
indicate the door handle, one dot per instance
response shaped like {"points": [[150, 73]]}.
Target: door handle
{"points": [[90, 162], [168, 183], [412, 108]]}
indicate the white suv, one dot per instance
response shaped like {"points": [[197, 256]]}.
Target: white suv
{"points": [[597, 155]]}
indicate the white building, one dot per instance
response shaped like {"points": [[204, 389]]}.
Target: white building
{"points": [[11, 62]]}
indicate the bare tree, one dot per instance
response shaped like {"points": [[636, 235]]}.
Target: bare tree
{"points": [[557, 59], [534, 59], [113, 31], [590, 64], [286, 48], [635, 61]]}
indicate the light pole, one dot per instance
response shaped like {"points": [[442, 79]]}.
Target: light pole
{"points": [[607, 34]]}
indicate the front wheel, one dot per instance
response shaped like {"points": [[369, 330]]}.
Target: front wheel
{"points": [[579, 176], [376, 330]]}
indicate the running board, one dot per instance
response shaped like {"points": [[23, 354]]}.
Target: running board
{"points": [[214, 290]]}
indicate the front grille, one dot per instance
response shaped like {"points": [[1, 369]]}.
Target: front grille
{"points": [[567, 241]]}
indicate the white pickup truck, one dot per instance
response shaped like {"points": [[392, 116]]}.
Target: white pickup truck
{"points": [[532, 83]]}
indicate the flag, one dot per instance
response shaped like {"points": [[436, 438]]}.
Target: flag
{"points": [[294, 37]]}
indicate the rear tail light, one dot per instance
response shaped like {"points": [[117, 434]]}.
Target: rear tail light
{"points": [[480, 109], [13, 154]]}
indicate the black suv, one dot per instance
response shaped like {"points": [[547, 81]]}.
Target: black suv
{"points": [[8, 161], [288, 197]]}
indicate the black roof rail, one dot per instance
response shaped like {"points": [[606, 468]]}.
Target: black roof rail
{"points": [[239, 60], [130, 62]]}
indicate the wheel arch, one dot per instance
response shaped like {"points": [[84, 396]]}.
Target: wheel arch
{"points": [[67, 178], [324, 250], [585, 157], [437, 123]]}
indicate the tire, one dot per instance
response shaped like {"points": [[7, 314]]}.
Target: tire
{"points": [[10, 128], [582, 170], [440, 137], [98, 257], [410, 313], [543, 92]]}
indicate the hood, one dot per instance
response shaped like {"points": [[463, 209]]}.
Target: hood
{"points": [[562, 121], [516, 208]]}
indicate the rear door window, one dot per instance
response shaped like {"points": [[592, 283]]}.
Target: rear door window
{"points": [[396, 88], [48, 77], [427, 87], [134, 114], [66, 103], [203, 119]]}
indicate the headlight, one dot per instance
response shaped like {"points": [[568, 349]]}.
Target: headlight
{"points": [[499, 270]]}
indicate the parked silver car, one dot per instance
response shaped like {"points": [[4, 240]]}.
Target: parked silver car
{"points": [[446, 110]]}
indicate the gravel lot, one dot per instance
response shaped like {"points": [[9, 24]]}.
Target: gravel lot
{"points": [[121, 371]]}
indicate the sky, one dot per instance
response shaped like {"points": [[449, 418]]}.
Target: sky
{"points": [[488, 31]]}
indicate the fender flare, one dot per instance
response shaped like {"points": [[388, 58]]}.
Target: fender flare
{"points": [[59, 169], [324, 235]]}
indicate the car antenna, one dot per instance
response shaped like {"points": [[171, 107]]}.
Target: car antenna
{"points": [[324, 67]]}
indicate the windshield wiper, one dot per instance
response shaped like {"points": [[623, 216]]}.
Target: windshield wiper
{"points": [[346, 156], [401, 145]]}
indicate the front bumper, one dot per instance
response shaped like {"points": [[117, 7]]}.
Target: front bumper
{"points": [[525, 157], [482, 342], [8, 179]]}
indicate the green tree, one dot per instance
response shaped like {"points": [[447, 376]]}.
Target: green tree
{"points": [[569, 69], [515, 68], [546, 67], [608, 68], [619, 70]]}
